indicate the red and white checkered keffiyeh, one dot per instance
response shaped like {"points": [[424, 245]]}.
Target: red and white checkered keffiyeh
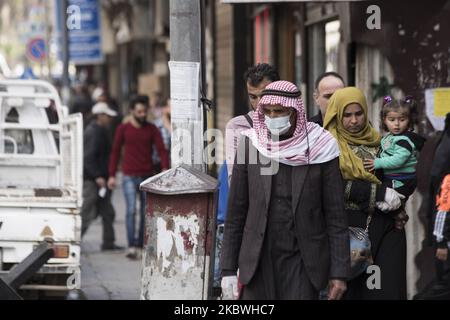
{"points": [[308, 137]]}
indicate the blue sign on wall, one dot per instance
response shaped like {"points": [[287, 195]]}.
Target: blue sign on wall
{"points": [[85, 42]]}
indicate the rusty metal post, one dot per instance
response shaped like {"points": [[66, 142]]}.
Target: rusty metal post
{"points": [[179, 237]]}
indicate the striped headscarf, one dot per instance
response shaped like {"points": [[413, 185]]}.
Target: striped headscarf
{"points": [[310, 144]]}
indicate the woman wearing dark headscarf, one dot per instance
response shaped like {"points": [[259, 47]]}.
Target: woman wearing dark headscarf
{"points": [[347, 121], [286, 229]]}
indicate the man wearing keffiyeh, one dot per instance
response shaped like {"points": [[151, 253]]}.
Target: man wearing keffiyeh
{"points": [[285, 232]]}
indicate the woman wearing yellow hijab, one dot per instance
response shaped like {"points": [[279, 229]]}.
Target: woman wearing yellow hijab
{"points": [[367, 139], [346, 119]]}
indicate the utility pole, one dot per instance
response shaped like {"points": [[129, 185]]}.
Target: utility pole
{"points": [[48, 32], [188, 192], [65, 51], [185, 39]]}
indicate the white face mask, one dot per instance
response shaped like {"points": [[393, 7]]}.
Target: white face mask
{"points": [[278, 126]]}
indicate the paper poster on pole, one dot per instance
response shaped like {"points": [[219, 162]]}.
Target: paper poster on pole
{"points": [[441, 102], [437, 106], [184, 90]]}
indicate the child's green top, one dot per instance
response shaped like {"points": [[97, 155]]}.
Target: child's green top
{"points": [[397, 155]]}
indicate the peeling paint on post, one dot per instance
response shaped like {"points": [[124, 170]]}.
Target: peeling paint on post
{"points": [[179, 237]]}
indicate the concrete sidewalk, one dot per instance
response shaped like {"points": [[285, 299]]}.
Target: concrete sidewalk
{"points": [[106, 275]]}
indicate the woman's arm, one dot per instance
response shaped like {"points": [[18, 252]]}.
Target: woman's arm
{"points": [[364, 193]]}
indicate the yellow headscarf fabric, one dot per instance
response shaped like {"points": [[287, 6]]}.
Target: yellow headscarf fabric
{"points": [[352, 167]]}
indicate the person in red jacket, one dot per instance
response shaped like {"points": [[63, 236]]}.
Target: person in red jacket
{"points": [[137, 138]]}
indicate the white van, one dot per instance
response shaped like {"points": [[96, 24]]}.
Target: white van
{"points": [[5, 72], [41, 177]]}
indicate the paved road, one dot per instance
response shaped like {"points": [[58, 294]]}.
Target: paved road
{"points": [[109, 276]]}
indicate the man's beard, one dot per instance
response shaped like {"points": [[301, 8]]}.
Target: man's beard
{"points": [[141, 121]]}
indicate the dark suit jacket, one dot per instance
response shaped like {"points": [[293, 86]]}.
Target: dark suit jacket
{"points": [[317, 119], [320, 220]]}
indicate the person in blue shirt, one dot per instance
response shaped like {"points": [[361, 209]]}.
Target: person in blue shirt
{"points": [[221, 212]]}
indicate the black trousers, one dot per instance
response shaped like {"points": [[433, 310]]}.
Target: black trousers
{"points": [[94, 206]]}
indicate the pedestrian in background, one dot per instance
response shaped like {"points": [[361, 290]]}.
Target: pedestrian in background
{"points": [[438, 231], [326, 84], [101, 95], [439, 170], [442, 224], [136, 139], [96, 196], [82, 103], [165, 128], [256, 79]]}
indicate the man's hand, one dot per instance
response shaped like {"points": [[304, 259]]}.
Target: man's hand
{"points": [[101, 182], [369, 164], [111, 183], [336, 289], [230, 288], [442, 254]]}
